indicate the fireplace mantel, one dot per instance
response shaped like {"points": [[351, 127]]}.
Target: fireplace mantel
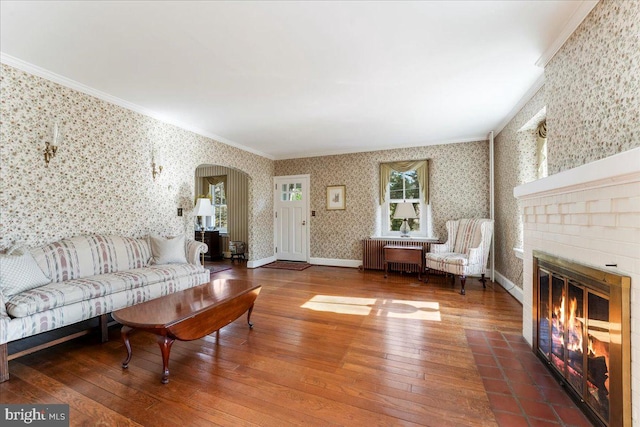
{"points": [[617, 169]]}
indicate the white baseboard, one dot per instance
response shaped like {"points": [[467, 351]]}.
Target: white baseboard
{"points": [[510, 287], [333, 262], [260, 262]]}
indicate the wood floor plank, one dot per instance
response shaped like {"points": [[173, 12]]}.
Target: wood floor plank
{"points": [[99, 414], [330, 346]]}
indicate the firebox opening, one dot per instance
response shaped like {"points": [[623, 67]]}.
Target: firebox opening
{"points": [[581, 331]]}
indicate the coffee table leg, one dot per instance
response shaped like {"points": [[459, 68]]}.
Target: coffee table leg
{"points": [[249, 317], [165, 348], [124, 332]]}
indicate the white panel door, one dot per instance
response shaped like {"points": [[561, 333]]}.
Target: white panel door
{"points": [[291, 201]]}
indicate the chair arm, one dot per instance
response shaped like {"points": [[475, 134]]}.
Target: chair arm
{"points": [[194, 249], [480, 255], [439, 247], [475, 256]]}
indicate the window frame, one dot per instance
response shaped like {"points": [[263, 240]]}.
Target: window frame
{"points": [[213, 221], [386, 211]]}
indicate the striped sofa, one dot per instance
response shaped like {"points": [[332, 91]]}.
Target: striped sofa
{"points": [[466, 250], [92, 276]]}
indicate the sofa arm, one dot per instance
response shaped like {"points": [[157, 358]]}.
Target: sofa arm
{"points": [[4, 319], [439, 248], [194, 249]]}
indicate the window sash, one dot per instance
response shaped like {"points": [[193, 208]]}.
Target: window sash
{"points": [[387, 222], [219, 202]]}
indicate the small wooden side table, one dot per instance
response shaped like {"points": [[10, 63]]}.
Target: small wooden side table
{"points": [[404, 255]]}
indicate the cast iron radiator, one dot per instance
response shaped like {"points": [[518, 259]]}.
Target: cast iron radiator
{"points": [[373, 257]]}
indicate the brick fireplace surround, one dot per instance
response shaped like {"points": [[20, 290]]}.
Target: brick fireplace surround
{"points": [[589, 215]]}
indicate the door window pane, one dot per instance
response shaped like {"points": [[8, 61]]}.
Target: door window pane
{"points": [[291, 192]]}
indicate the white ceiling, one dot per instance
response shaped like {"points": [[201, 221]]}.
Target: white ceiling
{"points": [[295, 79]]}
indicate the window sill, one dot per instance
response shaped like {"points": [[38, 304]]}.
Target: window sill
{"points": [[519, 253]]}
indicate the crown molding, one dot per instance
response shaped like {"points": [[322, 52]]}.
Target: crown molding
{"points": [[586, 6], [72, 84], [327, 153]]}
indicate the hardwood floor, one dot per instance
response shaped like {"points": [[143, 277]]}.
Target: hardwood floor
{"points": [[330, 346]]}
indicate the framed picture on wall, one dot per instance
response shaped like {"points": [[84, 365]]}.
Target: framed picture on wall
{"points": [[336, 197]]}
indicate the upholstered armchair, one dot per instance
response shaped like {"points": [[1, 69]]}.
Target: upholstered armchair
{"points": [[466, 251]]}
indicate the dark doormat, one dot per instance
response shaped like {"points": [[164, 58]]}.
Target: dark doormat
{"points": [[288, 265], [218, 268]]}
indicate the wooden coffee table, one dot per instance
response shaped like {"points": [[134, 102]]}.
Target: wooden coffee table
{"points": [[188, 315]]}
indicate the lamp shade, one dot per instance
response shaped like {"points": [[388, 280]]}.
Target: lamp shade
{"points": [[404, 210], [203, 207]]}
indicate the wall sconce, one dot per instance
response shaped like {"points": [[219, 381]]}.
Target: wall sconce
{"points": [[155, 171], [50, 150]]}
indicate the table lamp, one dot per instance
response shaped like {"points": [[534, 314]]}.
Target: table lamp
{"points": [[203, 208], [404, 211]]}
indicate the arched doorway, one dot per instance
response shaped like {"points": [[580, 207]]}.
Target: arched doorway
{"points": [[229, 190]]}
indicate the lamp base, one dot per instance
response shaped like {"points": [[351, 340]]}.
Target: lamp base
{"points": [[404, 228], [202, 234]]}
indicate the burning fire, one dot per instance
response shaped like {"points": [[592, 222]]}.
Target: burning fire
{"points": [[568, 333], [574, 324], [574, 327]]}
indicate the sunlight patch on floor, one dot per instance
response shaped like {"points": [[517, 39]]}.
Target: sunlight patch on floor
{"points": [[398, 309], [340, 305]]}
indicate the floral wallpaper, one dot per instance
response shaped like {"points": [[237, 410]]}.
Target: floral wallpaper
{"points": [[591, 94], [515, 164], [100, 180], [458, 185], [593, 88]]}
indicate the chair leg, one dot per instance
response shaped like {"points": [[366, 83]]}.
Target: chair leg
{"points": [[484, 281], [426, 279], [463, 279]]}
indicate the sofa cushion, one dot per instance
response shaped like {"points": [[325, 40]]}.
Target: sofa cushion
{"points": [[85, 256], [72, 291], [168, 251], [20, 272]]}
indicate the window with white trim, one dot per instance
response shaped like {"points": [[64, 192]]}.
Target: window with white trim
{"points": [[403, 187], [219, 202], [405, 182]]}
